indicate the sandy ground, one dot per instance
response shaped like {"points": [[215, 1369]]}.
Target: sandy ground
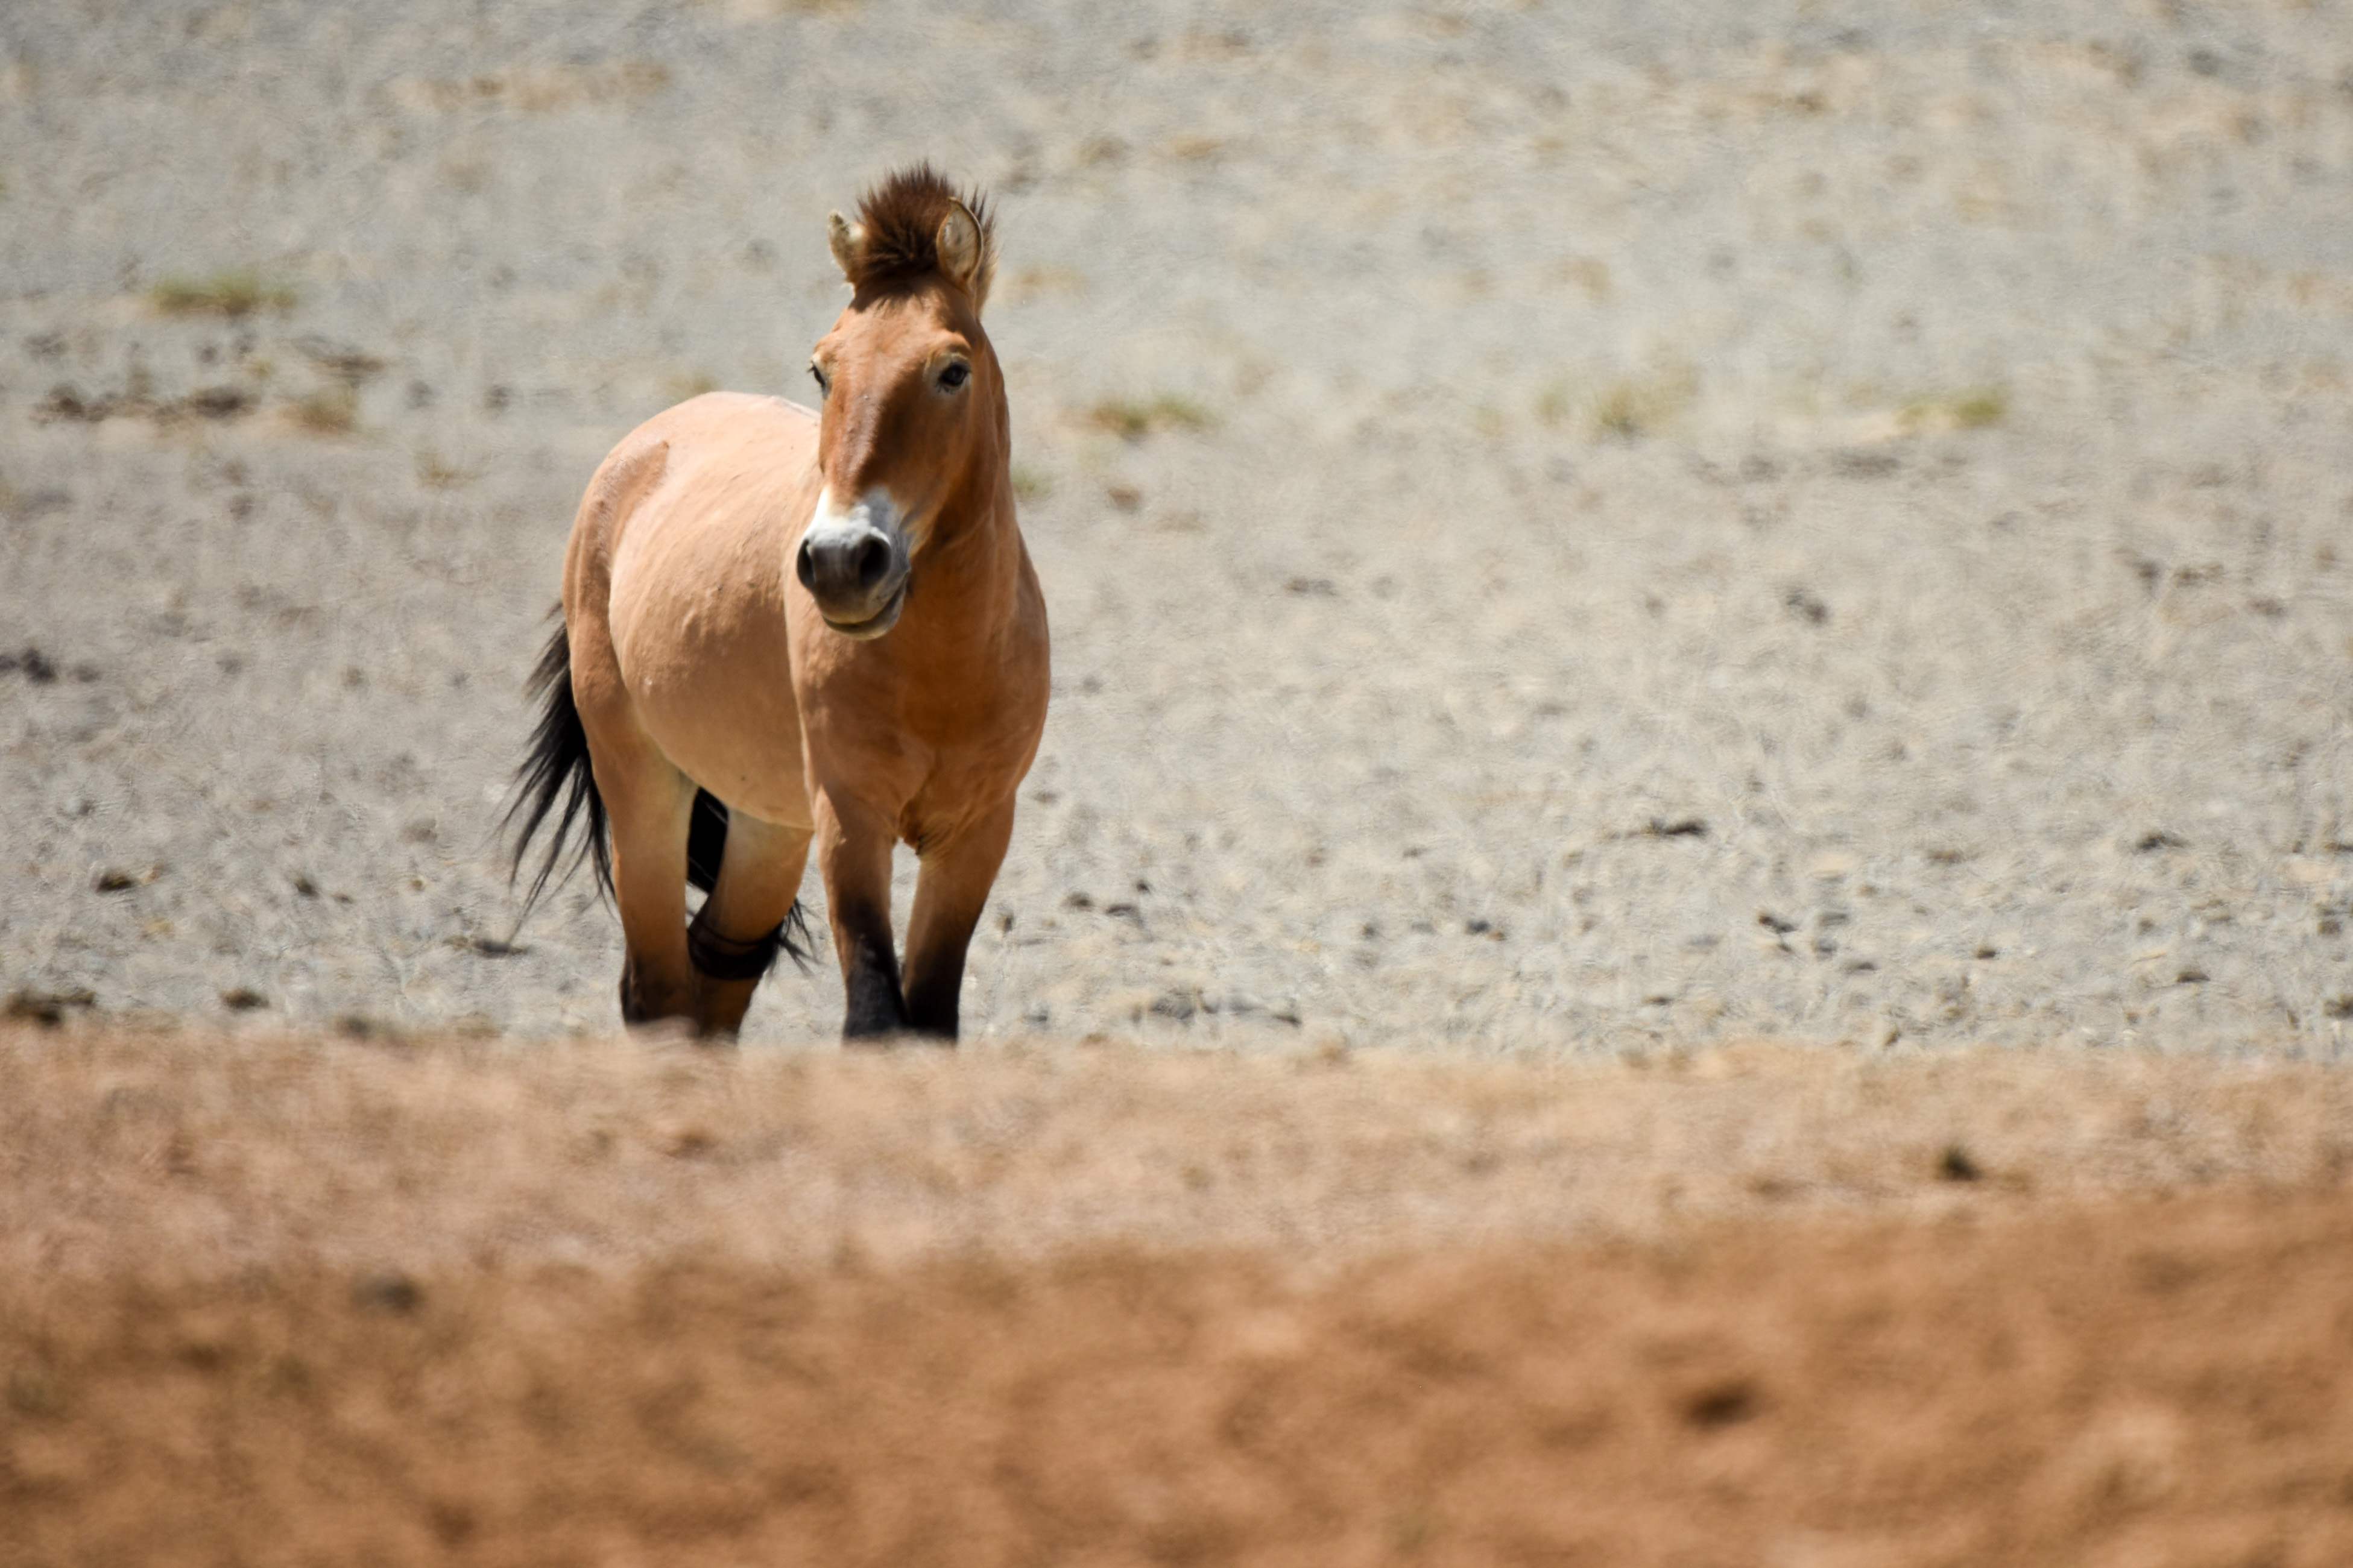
{"points": [[1648, 524], [294, 1301], [1577, 537]]}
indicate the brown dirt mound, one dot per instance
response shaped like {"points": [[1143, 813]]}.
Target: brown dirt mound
{"points": [[2129, 1383], [1955, 1365]]}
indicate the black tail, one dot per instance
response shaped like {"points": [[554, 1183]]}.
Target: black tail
{"points": [[556, 769]]}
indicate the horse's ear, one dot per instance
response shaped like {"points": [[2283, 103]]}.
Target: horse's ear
{"points": [[964, 255], [849, 241]]}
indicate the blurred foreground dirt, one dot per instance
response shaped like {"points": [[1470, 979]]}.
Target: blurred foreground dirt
{"points": [[292, 1301]]}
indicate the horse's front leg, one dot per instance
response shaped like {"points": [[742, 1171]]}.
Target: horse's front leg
{"points": [[950, 893], [854, 855]]}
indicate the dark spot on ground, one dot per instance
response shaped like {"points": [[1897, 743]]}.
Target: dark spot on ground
{"points": [[487, 946], [32, 664], [1804, 604], [1721, 1404], [30, 1006], [387, 1290]]}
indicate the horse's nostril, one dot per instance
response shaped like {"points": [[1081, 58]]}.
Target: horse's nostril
{"points": [[805, 565], [873, 561]]}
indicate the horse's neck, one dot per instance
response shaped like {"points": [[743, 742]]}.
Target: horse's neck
{"points": [[977, 568]]}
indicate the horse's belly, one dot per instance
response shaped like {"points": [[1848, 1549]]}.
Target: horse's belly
{"points": [[751, 774], [698, 623], [725, 718]]}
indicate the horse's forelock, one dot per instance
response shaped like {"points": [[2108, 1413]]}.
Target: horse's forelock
{"points": [[898, 223]]}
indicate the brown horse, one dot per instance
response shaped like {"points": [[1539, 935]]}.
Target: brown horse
{"points": [[781, 625]]}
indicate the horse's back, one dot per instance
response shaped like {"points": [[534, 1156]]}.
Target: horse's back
{"points": [[691, 518]]}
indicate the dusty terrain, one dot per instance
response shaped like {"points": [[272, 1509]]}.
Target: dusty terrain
{"points": [[294, 1301], [1578, 537]]}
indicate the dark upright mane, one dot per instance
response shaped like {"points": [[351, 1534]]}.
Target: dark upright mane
{"points": [[901, 218]]}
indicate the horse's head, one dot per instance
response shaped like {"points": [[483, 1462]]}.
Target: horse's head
{"points": [[915, 403]]}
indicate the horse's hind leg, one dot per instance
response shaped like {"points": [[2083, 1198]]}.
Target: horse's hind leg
{"points": [[730, 943], [648, 803]]}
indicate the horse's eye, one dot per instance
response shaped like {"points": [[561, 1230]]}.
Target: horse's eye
{"points": [[955, 375], [818, 376]]}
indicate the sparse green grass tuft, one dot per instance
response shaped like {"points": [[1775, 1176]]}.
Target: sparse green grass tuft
{"points": [[230, 294], [692, 383], [1132, 419], [329, 411], [436, 472], [1979, 409], [1030, 484], [1627, 407], [1975, 410]]}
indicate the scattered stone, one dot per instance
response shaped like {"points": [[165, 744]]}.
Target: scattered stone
{"points": [[487, 946], [65, 401], [1956, 1165], [684, 1140], [32, 663], [113, 879], [218, 402], [34, 1392], [40, 502], [387, 1290], [1865, 464], [1721, 1404], [28, 1005], [243, 999], [1675, 828], [1179, 1004], [1804, 604], [2158, 838], [345, 363]]}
